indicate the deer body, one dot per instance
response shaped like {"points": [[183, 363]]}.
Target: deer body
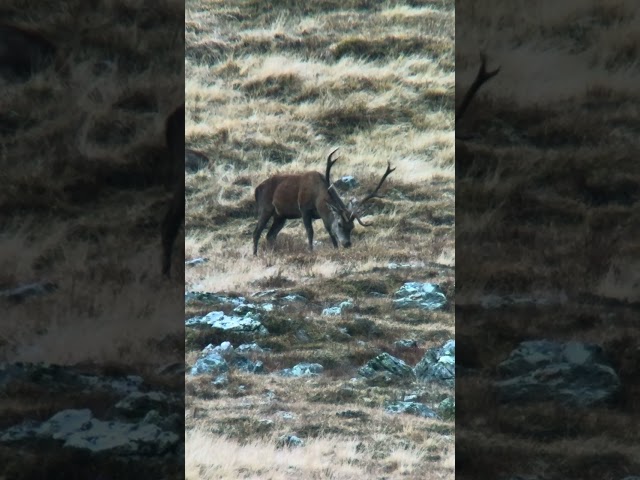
{"points": [[306, 196], [309, 196]]}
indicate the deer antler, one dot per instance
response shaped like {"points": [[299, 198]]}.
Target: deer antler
{"points": [[329, 165], [482, 77], [373, 194]]}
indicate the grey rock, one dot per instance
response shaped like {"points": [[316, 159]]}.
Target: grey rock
{"points": [[303, 370], [251, 308], [572, 373], [225, 349], [395, 266], [218, 359], [247, 365], [79, 429], [426, 296], [265, 423], [250, 348], [438, 364], [335, 311], [211, 363], [447, 408], [347, 182], [413, 408], [250, 323], [266, 293], [294, 298], [404, 344], [385, 363], [209, 298], [290, 441], [221, 380]]}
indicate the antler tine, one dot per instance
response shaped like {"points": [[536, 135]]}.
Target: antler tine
{"points": [[374, 193], [361, 222], [482, 76], [354, 214], [329, 165]]}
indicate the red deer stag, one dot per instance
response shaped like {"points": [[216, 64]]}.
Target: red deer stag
{"points": [[309, 196], [174, 133], [482, 77]]}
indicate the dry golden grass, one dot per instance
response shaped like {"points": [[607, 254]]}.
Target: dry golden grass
{"points": [[272, 90], [547, 199]]}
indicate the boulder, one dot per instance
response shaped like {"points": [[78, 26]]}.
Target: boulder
{"points": [[387, 366], [438, 364], [426, 296], [572, 373]]}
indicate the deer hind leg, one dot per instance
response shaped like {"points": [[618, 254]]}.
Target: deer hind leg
{"points": [[278, 224], [265, 215], [307, 219]]}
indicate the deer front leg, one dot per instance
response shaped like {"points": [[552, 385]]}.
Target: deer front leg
{"points": [[334, 240], [307, 219]]}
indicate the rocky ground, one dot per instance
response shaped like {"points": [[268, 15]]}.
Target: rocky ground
{"points": [[281, 369]]}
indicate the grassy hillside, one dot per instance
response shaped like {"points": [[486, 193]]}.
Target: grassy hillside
{"points": [[273, 87], [548, 198]]}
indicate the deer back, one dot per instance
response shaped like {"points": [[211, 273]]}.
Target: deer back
{"points": [[290, 194]]}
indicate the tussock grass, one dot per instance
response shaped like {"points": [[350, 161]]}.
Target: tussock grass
{"points": [[221, 457]]}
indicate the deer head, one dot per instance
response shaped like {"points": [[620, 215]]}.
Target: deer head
{"points": [[352, 211]]}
